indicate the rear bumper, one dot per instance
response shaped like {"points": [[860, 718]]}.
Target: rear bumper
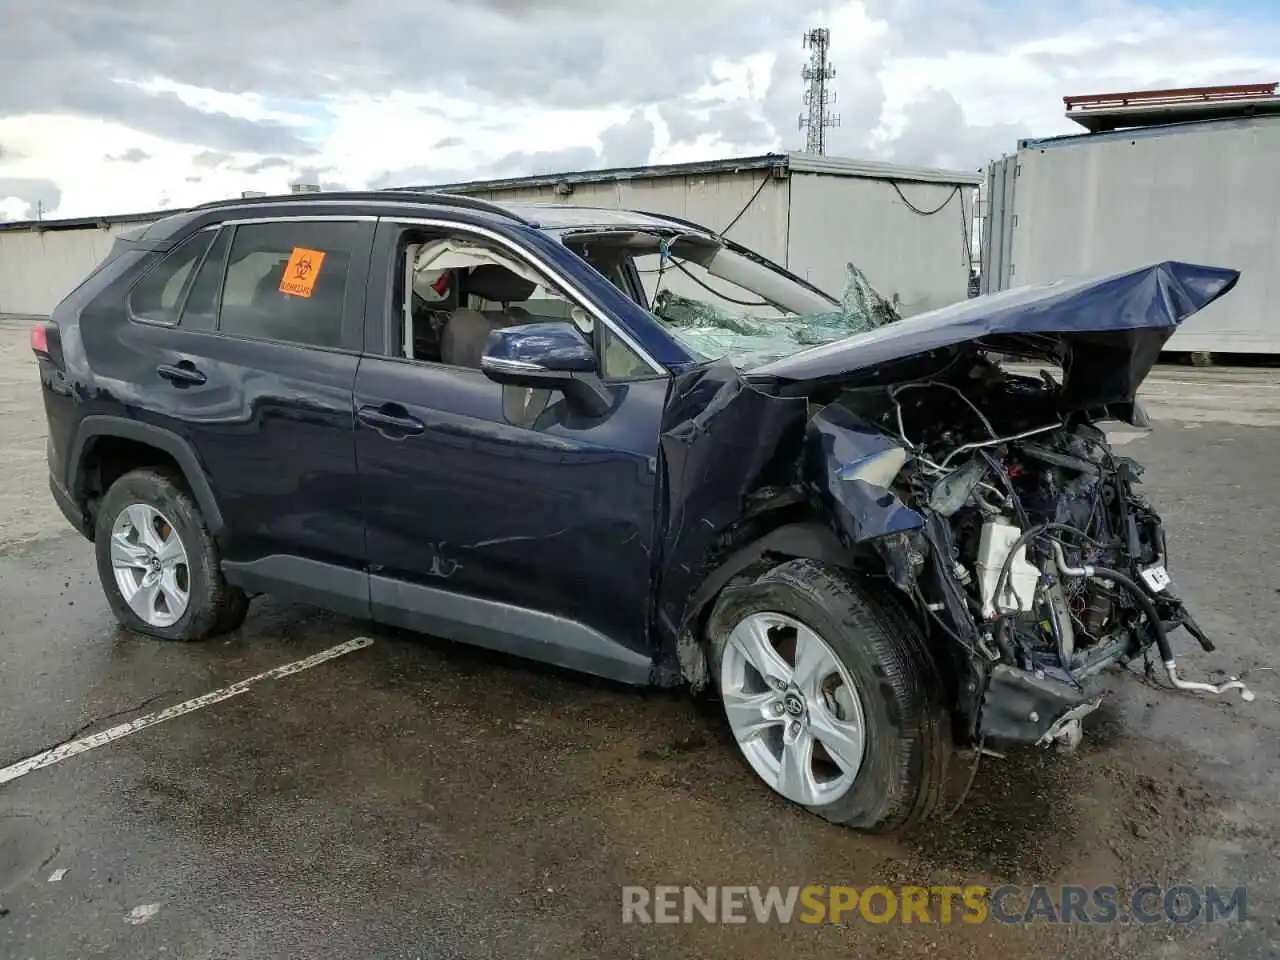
{"points": [[70, 509]]}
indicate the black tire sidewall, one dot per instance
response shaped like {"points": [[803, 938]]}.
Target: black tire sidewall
{"points": [[868, 639], [158, 490]]}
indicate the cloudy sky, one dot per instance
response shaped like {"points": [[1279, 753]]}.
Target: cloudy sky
{"points": [[111, 106]]}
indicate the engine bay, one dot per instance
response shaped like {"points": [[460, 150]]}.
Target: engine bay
{"points": [[1037, 558]]}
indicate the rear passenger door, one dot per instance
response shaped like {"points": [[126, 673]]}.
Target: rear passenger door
{"points": [[257, 375]]}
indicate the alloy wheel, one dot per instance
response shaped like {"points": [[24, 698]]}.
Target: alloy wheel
{"points": [[793, 708], [149, 560]]}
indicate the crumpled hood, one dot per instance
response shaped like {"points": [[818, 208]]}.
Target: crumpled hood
{"points": [[1106, 331]]}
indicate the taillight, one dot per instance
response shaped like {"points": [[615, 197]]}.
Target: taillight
{"points": [[46, 344]]}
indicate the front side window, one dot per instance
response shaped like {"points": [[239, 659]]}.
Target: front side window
{"points": [[157, 297], [288, 282], [464, 288]]}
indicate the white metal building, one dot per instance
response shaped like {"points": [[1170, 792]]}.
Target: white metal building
{"points": [[1183, 188], [40, 263], [906, 228]]}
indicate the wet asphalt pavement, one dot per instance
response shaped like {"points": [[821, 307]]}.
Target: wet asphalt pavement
{"points": [[420, 799]]}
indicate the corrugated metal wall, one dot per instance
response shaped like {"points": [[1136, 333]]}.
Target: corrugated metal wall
{"points": [[812, 223], [37, 269], [754, 202], [713, 200], [921, 260], [1204, 193], [998, 224]]}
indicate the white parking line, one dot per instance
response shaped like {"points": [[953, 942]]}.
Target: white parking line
{"points": [[74, 748]]}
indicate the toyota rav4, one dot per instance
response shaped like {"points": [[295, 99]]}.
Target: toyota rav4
{"points": [[623, 444]]}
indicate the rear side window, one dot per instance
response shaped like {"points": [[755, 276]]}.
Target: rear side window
{"points": [[288, 281], [157, 297]]}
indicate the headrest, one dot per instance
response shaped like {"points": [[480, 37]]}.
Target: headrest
{"points": [[268, 286], [498, 284]]}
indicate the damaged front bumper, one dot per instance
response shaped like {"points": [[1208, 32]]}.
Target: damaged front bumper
{"points": [[1022, 706], [1030, 555]]}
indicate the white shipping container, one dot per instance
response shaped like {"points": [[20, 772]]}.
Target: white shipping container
{"points": [[1203, 192]]}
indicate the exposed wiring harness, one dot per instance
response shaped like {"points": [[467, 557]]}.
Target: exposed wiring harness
{"points": [[944, 467], [902, 387], [932, 615], [711, 290], [973, 775], [1025, 434], [665, 259], [998, 468], [664, 246]]}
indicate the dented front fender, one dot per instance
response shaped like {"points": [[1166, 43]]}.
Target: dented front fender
{"points": [[848, 467]]}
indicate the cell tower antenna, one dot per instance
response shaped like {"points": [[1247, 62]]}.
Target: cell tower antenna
{"points": [[817, 97]]}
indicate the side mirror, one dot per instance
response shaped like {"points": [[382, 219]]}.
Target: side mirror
{"points": [[552, 356]]}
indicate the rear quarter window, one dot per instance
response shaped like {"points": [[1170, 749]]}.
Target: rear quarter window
{"points": [[157, 295]]}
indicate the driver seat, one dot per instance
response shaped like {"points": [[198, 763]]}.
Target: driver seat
{"points": [[466, 333]]}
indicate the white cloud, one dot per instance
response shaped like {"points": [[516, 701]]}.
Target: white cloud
{"points": [[247, 106], [369, 136], [81, 156], [14, 208], [941, 82], [1025, 82]]}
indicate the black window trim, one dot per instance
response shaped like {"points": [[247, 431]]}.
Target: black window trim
{"points": [[217, 297]]}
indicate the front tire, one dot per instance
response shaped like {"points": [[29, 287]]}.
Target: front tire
{"points": [[832, 695], [158, 563]]}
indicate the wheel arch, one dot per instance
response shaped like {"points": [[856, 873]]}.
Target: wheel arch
{"points": [[135, 444], [805, 539]]}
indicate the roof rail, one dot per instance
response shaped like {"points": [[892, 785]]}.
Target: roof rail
{"points": [[700, 227], [390, 195]]}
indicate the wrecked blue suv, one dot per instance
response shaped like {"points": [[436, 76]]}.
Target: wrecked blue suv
{"points": [[620, 443]]}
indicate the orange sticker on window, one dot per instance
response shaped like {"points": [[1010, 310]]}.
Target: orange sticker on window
{"points": [[301, 271]]}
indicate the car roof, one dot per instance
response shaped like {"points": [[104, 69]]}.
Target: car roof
{"points": [[558, 216], [552, 217]]}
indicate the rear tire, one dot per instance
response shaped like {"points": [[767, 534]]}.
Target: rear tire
{"points": [[873, 650], [158, 563]]}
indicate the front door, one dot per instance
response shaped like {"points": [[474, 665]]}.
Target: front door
{"points": [[503, 516]]}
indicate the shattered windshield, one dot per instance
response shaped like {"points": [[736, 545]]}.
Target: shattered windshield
{"points": [[720, 303]]}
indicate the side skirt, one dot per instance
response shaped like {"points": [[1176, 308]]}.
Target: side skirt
{"points": [[498, 626], [532, 634]]}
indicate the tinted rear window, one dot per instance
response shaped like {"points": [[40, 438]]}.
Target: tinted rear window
{"points": [[288, 281], [158, 295]]}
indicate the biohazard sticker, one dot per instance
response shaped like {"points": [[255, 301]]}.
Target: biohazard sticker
{"points": [[301, 271]]}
